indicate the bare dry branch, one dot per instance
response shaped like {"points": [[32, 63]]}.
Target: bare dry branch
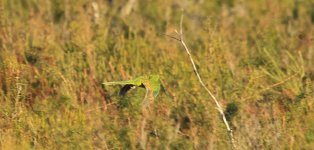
{"points": [[219, 107]]}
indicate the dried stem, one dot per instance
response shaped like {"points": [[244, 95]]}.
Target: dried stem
{"points": [[219, 108], [145, 114], [126, 10]]}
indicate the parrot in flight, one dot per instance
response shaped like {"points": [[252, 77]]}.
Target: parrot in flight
{"points": [[151, 83]]}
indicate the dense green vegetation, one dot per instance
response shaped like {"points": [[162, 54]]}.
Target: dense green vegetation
{"points": [[256, 56]]}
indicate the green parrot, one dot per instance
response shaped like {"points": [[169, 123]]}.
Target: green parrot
{"points": [[151, 83]]}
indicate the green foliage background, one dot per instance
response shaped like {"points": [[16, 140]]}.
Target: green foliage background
{"points": [[257, 57]]}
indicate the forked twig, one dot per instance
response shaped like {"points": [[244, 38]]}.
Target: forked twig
{"points": [[219, 108]]}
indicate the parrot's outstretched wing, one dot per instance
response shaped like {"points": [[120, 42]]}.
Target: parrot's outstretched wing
{"points": [[127, 87], [151, 83]]}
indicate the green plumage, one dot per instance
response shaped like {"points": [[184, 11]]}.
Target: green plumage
{"points": [[150, 83]]}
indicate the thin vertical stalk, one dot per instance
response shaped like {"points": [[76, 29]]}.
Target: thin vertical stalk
{"points": [[218, 105]]}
